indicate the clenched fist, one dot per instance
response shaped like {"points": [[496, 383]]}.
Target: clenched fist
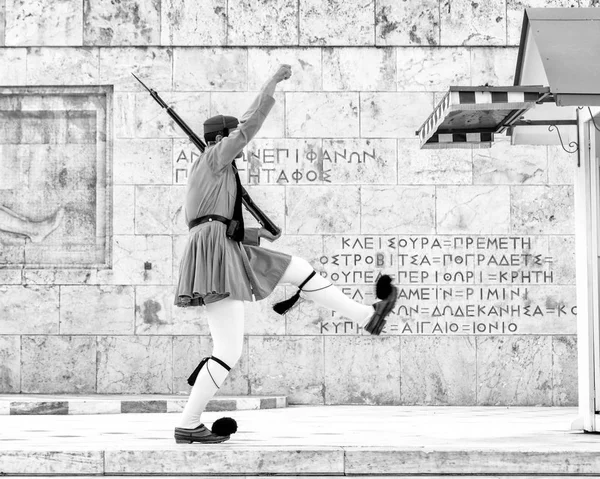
{"points": [[284, 72]]}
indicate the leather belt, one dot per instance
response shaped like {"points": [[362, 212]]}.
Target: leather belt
{"points": [[204, 219]]}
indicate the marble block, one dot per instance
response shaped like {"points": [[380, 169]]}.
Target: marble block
{"points": [[29, 309], [271, 200], [359, 69], [558, 305], [561, 166], [359, 161], [210, 69], [308, 209], [2, 22], [189, 351], [96, 310], [250, 461], [516, 8], [208, 28], [438, 371], [407, 23], [237, 103], [397, 209], [10, 364], [184, 153], [260, 319], [504, 164], [159, 210], [11, 276], [433, 167], [15, 71], [130, 255], [77, 462], [513, 260], [59, 277], [44, 23], [155, 313], [308, 247], [561, 250], [564, 371], [326, 22], [282, 161], [152, 121], [494, 66], [514, 370], [142, 162], [127, 22], [47, 66], [362, 370], [322, 115], [305, 63], [263, 22], [393, 115], [124, 114], [135, 365], [123, 214], [287, 365], [427, 69], [542, 210], [151, 65], [68, 364], [463, 22], [349, 259], [473, 209]]}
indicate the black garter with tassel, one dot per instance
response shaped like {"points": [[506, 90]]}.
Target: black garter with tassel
{"points": [[283, 306]]}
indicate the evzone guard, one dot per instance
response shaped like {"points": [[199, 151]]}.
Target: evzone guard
{"points": [[223, 264]]}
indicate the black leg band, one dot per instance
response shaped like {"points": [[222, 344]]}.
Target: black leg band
{"points": [[192, 379]]}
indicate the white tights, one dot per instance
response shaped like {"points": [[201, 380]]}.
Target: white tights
{"points": [[226, 324]]}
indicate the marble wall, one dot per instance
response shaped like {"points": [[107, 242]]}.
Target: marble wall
{"points": [[480, 242]]}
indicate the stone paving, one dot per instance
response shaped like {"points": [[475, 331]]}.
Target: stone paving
{"points": [[301, 440]]}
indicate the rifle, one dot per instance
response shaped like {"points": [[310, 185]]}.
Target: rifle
{"points": [[252, 208]]}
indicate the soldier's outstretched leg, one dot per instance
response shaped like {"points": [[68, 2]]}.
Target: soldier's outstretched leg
{"points": [[320, 290]]}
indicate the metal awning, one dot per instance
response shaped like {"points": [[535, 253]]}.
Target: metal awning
{"points": [[566, 41], [558, 70], [470, 116]]}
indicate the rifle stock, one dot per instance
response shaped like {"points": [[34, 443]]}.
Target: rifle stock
{"points": [[252, 208]]}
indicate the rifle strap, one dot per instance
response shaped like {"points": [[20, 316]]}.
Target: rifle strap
{"points": [[237, 209]]}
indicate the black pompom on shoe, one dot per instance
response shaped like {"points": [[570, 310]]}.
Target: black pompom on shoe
{"points": [[224, 426], [383, 288]]}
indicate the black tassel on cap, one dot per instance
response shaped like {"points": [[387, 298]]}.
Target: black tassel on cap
{"points": [[283, 306]]}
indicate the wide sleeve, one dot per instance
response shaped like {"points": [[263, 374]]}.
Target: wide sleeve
{"points": [[251, 237], [223, 153]]}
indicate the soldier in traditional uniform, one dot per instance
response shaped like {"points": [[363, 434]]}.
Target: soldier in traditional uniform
{"points": [[221, 270]]}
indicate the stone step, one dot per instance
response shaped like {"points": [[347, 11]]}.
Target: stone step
{"points": [[308, 441], [43, 404], [224, 461]]}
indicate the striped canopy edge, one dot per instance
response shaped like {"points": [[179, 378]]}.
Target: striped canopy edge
{"points": [[515, 100]]}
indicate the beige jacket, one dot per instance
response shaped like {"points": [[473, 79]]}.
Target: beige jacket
{"points": [[211, 187]]}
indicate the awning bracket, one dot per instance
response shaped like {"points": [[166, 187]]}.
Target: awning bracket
{"points": [[593, 120], [572, 144]]}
